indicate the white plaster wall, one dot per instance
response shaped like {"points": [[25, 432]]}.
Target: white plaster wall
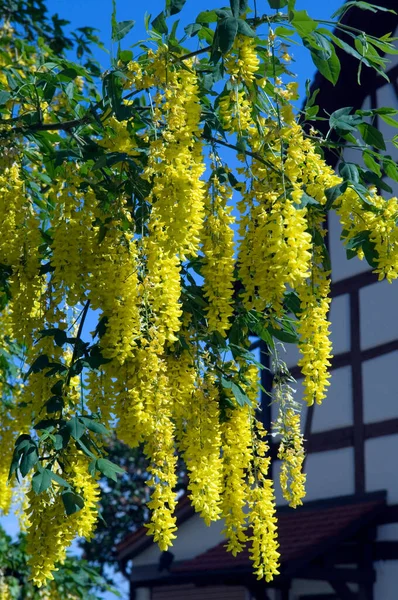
{"points": [[336, 409], [381, 466], [143, 594], [341, 267], [301, 587], [386, 586], [378, 303], [193, 538], [379, 385], [340, 331], [330, 474], [289, 353], [387, 533], [340, 324]]}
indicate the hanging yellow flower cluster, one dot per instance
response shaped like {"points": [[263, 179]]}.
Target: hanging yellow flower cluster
{"points": [[291, 449], [373, 223], [219, 261], [139, 240]]}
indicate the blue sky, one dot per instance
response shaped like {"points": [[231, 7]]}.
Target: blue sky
{"points": [[97, 13]]}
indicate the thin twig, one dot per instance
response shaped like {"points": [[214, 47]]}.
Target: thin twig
{"points": [[78, 336]]}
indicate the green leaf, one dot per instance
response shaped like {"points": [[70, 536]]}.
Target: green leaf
{"points": [[237, 391], [58, 479], [284, 335], [173, 7], [364, 195], [306, 200], [60, 336], [333, 193], [235, 6], [371, 136], [362, 5], [311, 112], [369, 250], [319, 45], [29, 459], [385, 110], [284, 32], [370, 177], [342, 119], [310, 101], [45, 424], [55, 404], [389, 120], [292, 303], [61, 439], [125, 55], [263, 333], [84, 443], [207, 16], [4, 97], [108, 468], [390, 168], [72, 502], [329, 68], [245, 29], [75, 428], [349, 172], [278, 3], [41, 481], [240, 395], [112, 90], [371, 163], [192, 29], [302, 22], [57, 388], [121, 30], [39, 364], [159, 23], [226, 32], [94, 425]]}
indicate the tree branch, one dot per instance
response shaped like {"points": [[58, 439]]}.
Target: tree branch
{"points": [[256, 22], [239, 150]]}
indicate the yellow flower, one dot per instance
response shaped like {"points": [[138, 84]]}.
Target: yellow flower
{"points": [[219, 260]]}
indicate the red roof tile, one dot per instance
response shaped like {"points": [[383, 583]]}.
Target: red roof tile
{"points": [[302, 534]]}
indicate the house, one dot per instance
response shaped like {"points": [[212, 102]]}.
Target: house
{"points": [[343, 543]]}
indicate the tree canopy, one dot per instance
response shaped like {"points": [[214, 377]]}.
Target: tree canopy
{"points": [[179, 200]]}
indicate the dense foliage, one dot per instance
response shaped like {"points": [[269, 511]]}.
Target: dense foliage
{"points": [[129, 207], [74, 579]]}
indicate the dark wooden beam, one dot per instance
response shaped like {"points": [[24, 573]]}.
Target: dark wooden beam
{"points": [[385, 551], [345, 575], [356, 282], [390, 513], [357, 394], [345, 358], [343, 437], [343, 591], [307, 427], [318, 597], [283, 593]]}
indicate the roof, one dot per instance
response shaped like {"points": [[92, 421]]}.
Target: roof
{"points": [[304, 533]]}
